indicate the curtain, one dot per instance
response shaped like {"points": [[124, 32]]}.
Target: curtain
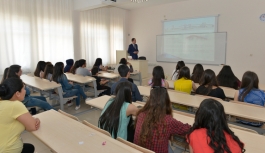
{"points": [[102, 33], [34, 30]]}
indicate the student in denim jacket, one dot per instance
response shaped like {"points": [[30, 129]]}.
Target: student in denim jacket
{"points": [[249, 92], [29, 101], [68, 87]]}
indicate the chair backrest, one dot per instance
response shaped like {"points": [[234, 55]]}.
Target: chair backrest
{"points": [[144, 150], [142, 58], [68, 115], [96, 128]]}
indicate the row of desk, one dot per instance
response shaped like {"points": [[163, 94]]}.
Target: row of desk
{"points": [[235, 109], [248, 138]]}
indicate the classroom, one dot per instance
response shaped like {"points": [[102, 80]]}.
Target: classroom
{"points": [[129, 76]]}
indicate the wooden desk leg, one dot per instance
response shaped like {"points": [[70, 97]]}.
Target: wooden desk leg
{"points": [[60, 92], [95, 89], [140, 77]]}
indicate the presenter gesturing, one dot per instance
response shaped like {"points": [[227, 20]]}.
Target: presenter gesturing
{"points": [[133, 49]]}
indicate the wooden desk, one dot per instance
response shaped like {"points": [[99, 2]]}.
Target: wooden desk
{"points": [[83, 80], [44, 85], [108, 75], [248, 138], [229, 92], [245, 111], [135, 73], [65, 135]]}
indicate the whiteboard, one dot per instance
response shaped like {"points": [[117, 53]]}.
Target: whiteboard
{"points": [[204, 48]]}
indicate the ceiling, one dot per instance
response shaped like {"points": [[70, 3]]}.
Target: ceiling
{"points": [[128, 5]]}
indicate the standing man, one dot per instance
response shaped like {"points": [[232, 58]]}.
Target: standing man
{"points": [[133, 49]]}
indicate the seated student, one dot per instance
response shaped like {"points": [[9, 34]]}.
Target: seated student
{"points": [[115, 116], [73, 68], [197, 73], [48, 71], [125, 74], [123, 61], [184, 84], [249, 92], [226, 78], [5, 74], [155, 123], [14, 117], [39, 71], [69, 64], [29, 101], [68, 87], [82, 70], [209, 86], [98, 63], [101, 83], [210, 132], [179, 65], [158, 78]]}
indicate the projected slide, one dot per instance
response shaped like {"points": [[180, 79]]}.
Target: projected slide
{"points": [[185, 26]]}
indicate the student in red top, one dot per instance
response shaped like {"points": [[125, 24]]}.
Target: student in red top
{"points": [[210, 132], [155, 123]]}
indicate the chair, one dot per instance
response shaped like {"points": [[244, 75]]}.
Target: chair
{"points": [[144, 150], [57, 96], [96, 128], [68, 115], [142, 58]]}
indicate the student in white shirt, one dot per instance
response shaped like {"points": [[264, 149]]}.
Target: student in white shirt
{"points": [[82, 70], [175, 73]]}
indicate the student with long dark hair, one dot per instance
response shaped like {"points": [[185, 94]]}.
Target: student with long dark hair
{"points": [[155, 123], [73, 68], [184, 83], [101, 83], [68, 87], [227, 78], [48, 71], [69, 65], [82, 70], [179, 65], [5, 74], [98, 63], [14, 117], [249, 92], [158, 78], [209, 85], [210, 132], [117, 112], [197, 73], [29, 101], [40, 69]]}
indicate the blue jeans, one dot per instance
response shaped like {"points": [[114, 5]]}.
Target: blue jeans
{"points": [[38, 101], [76, 91]]}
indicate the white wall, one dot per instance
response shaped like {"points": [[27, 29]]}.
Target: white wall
{"points": [[239, 18]]}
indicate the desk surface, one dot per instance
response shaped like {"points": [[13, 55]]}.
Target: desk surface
{"points": [[248, 138], [245, 111], [65, 135], [41, 84], [108, 75], [79, 78], [229, 92]]}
